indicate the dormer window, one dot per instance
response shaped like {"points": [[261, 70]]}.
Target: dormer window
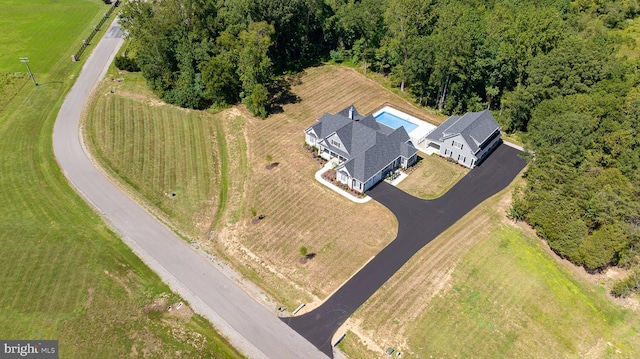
{"points": [[335, 143]]}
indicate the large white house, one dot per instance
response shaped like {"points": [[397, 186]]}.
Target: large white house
{"points": [[468, 139], [366, 150]]}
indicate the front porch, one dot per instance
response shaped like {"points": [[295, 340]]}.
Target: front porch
{"points": [[329, 155]]}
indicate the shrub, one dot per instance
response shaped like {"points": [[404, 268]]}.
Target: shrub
{"points": [[126, 64], [624, 287]]}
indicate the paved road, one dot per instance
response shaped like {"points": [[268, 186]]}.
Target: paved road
{"points": [[419, 222], [251, 327]]}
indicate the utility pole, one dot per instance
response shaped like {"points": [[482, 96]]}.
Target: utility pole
{"points": [[26, 62]]}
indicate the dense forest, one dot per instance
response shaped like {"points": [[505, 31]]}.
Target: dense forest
{"points": [[561, 74]]}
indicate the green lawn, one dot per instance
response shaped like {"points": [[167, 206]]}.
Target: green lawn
{"points": [[509, 299], [65, 275], [171, 156], [506, 297], [432, 177], [43, 30]]}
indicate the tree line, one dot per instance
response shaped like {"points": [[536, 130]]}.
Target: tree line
{"points": [[561, 74]]}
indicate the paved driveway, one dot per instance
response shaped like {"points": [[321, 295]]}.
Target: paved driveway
{"points": [[419, 222]]}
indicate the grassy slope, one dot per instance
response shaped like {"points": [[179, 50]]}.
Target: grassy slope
{"points": [[486, 289], [510, 299], [442, 302], [167, 154], [65, 275], [267, 253]]}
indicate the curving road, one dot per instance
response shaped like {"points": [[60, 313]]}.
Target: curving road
{"points": [[249, 326], [419, 222]]}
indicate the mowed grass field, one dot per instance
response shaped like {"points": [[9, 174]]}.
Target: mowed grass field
{"points": [[482, 289], [229, 190], [175, 161], [42, 30], [169, 155], [65, 275], [432, 176], [486, 288], [300, 211]]}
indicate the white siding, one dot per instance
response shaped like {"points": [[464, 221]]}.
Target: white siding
{"points": [[311, 139], [343, 177], [462, 155]]}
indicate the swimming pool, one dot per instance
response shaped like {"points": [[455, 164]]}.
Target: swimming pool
{"points": [[394, 121]]}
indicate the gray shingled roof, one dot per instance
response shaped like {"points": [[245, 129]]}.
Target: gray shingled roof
{"points": [[370, 145], [387, 148], [328, 124], [475, 128]]}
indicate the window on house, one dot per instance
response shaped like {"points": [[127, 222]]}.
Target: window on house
{"points": [[335, 143], [456, 144], [445, 151]]}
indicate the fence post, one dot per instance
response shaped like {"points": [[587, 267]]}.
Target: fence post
{"points": [[85, 42]]}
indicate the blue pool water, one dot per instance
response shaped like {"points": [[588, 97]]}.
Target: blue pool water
{"points": [[394, 121]]}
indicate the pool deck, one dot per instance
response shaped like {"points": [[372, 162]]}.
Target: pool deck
{"points": [[424, 128]]}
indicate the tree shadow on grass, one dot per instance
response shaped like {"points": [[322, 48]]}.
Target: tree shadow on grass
{"points": [[281, 94]]}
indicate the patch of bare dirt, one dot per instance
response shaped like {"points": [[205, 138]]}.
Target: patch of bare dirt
{"points": [[158, 305], [353, 325]]}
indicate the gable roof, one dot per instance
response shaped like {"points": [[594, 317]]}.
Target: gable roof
{"points": [[387, 148], [475, 128], [368, 145]]}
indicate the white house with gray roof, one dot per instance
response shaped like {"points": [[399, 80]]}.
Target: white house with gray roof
{"points": [[468, 139], [366, 150]]}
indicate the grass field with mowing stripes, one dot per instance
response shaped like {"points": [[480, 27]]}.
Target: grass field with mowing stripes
{"points": [[432, 177], [66, 276], [170, 156], [486, 288], [482, 289], [43, 30], [343, 237]]}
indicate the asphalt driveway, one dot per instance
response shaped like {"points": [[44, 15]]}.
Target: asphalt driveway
{"points": [[419, 222]]}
